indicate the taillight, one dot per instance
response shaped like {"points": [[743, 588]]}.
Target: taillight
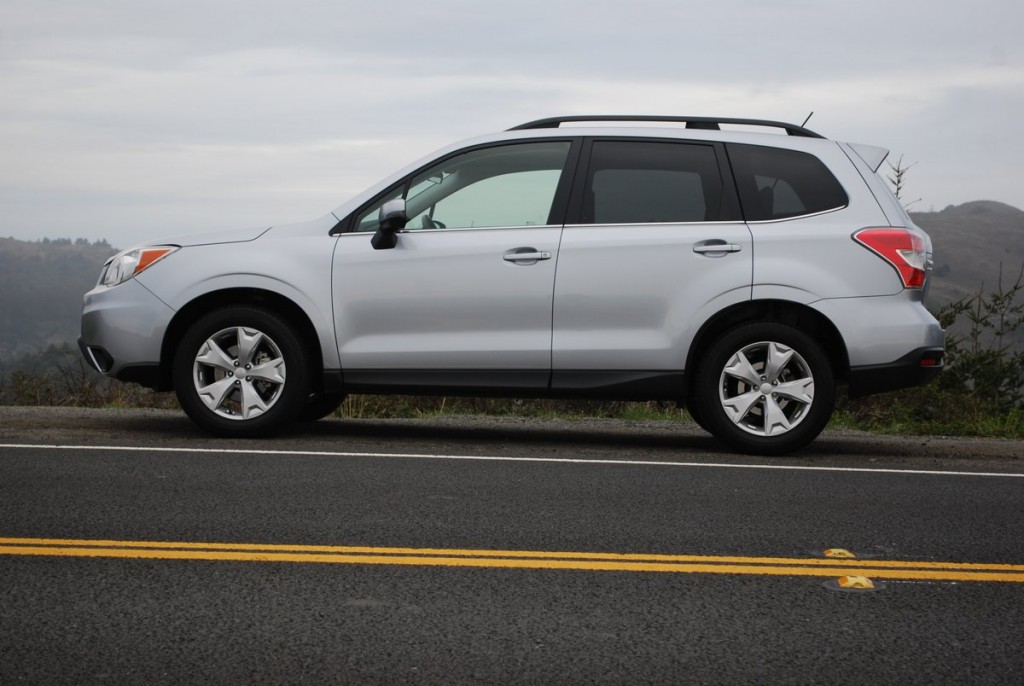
{"points": [[902, 248]]}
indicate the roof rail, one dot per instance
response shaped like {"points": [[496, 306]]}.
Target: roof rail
{"points": [[712, 123]]}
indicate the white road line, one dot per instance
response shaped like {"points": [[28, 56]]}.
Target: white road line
{"points": [[498, 458]]}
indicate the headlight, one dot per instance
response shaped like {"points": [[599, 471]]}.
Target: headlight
{"points": [[127, 264]]}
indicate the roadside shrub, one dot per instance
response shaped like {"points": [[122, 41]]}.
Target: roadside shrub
{"points": [[981, 390], [60, 377]]}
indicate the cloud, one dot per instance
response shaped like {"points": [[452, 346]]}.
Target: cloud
{"points": [[237, 113]]}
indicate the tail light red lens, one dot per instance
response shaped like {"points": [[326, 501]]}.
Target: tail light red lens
{"points": [[900, 247]]}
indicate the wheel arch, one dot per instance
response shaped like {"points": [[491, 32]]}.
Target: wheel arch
{"points": [[799, 316], [207, 302]]}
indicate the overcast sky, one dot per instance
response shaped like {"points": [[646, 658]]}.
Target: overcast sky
{"points": [[134, 119]]}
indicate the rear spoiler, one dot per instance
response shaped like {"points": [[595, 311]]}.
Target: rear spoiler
{"points": [[872, 155]]}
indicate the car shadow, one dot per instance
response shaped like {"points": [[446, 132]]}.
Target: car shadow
{"points": [[515, 432], [570, 439]]}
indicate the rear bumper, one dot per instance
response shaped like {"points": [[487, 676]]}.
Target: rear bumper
{"points": [[916, 368]]}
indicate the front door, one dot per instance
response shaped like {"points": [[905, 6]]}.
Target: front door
{"points": [[464, 299]]}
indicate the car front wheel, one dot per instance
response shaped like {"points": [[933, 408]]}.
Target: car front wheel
{"points": [[241, 372], [765, 388]]}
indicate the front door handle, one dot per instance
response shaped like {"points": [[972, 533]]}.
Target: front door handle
{"points": [[520, 255]]}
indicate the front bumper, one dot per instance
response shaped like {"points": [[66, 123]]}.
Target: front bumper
{"points": [[123, 330]]}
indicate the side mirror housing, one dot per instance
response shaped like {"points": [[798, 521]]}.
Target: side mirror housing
{"points": [[392, 219]]}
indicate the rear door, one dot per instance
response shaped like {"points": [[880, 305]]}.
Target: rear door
{"points": [[654, 246]]}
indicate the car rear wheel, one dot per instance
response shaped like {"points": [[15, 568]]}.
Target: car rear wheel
{"points": [[241, 372], [765, 388]]}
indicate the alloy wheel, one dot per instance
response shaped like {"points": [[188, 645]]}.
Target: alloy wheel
{"points": [[239, 373], [766, 388]]}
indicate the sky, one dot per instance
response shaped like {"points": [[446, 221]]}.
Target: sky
{"points": [[128, 120]]}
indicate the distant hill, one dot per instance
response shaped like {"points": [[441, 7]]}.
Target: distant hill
{"points": [[971, 242], [42, 282], [41, 288]]}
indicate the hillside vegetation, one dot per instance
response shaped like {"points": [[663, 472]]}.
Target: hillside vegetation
{"points": [[41, 288], [973, 243]]}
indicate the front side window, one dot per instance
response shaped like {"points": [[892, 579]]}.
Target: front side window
{"points": [[504, 186], [778, 183], [640, 182]]}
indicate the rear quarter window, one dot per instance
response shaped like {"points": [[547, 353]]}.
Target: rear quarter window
{"points": [[777, 183]]}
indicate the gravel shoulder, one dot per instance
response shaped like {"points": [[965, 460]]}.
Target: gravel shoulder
{"points": [[489, 435]]}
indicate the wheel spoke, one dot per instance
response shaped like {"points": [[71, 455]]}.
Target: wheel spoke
{"points": [[778, 357], [738, 407], [213, 395], [247, 345], [252, 405], [740, 368], [775, 420], [271, 370], [213, 355], [801, 390]]}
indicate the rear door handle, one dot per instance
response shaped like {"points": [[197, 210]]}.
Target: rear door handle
{"points": [[526, 255]]}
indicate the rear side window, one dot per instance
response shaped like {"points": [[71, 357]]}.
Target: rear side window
{"points": [[641, 182], [777, 183]]}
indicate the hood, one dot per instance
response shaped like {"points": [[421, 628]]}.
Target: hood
{"points": [[234, 236]]}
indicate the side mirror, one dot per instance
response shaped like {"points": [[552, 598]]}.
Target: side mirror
{"points": [[392, 219]]}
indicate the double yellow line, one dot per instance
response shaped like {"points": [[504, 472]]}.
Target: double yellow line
{"points": [[515, 559]]}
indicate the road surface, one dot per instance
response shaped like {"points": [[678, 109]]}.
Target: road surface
{"points": [[135, 549]]}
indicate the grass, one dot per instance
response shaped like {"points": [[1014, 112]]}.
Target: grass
{"points": [[913, 412], [405, 407], [930, 411]]}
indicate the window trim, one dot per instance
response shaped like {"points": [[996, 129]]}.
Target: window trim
{"points": [[796, 216]]}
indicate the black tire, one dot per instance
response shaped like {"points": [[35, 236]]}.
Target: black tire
{"points": [[319, 406], [694, 408], [765, 389], [241, 372]]}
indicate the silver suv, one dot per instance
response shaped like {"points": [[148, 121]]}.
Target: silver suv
{"points": [[710, 262]]}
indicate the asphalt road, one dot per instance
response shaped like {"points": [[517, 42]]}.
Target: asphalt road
{"points": [[134, 549]]}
